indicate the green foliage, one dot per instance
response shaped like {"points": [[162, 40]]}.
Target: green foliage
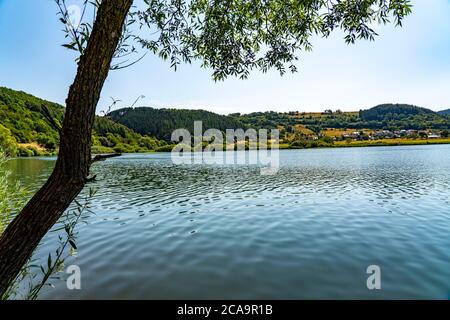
{"points": [[8, 143], [445, 112], [12, 198], [78, 35], [12, 195], [324, 142], [67, 247], [389, 117], [25, 152], [25, 131], [23, 127], [232, 37], [162, 122], [21, 114], [35, 276], [401, 116], [114, 137], [392, 111]]}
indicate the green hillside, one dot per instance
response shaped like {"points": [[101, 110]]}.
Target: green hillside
{"points": [[162, 122], [381, 117], [444, 112], [24, 130], [402, 116]]}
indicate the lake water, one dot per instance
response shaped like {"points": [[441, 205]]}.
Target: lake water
{"points": [[163, 231]]}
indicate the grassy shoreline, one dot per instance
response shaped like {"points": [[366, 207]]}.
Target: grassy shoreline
{"points": [[374, 143], [337, 144], [391, 142]]}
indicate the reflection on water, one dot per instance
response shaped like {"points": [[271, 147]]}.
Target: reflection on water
{"points": [[222, 231]]}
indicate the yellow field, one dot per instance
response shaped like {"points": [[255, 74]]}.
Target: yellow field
{"points": [[333, 132], [300, 128]]}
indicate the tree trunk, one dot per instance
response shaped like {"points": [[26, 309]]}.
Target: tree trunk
{"points": [[71, 170]]}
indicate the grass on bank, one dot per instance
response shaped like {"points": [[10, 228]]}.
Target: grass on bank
{"points": [[33, 149], [391, 142]]}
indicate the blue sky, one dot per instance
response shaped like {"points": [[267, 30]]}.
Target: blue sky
{"points": [[404, 65]]}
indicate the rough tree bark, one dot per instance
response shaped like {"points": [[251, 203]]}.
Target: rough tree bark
{"points": [[71, 170]]}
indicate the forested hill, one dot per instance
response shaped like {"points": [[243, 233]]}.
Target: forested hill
{"points": [[162, 122], [381, 117], [25, 131], [386, 112], [445, 112]]}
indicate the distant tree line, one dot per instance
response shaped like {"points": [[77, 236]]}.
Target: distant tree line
{"points": [[382, 117], [160, 123]]}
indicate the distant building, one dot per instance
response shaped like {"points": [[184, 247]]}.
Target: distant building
{"points": [[434, 135]]}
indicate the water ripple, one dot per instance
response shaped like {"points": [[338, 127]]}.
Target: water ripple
{"points": [[310, 231]]}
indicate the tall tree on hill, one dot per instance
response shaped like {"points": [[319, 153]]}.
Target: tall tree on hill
{"points": [[231, 37]]}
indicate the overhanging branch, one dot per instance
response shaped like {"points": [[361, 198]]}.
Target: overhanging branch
{"points": [[103, 157]]}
